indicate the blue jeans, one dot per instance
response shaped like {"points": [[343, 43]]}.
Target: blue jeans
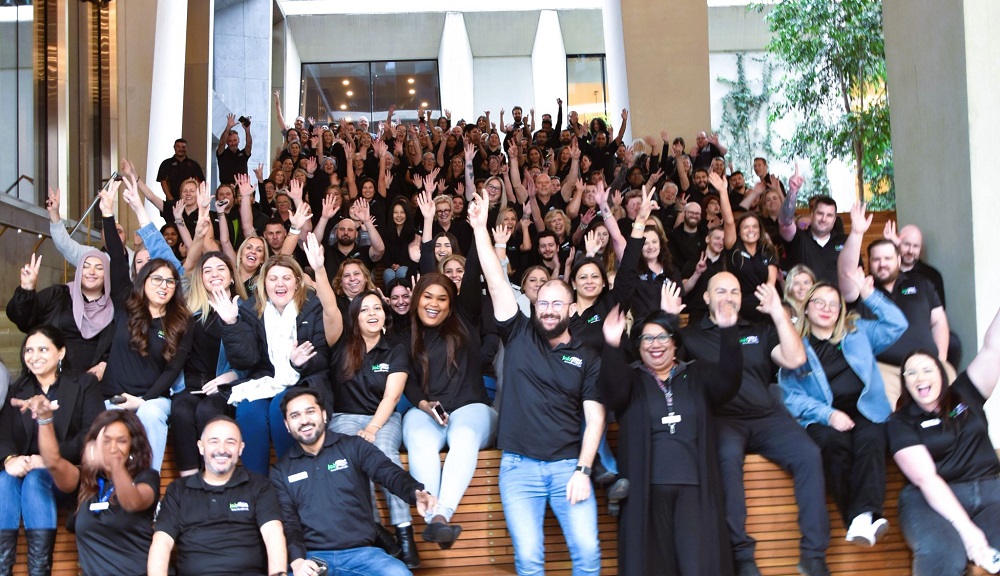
{"points": [[261, 423], [387, 439], [526, 485], [32, 497], [937, 547], [154, 415], [360, 561], [470, 429], [389, 274]]}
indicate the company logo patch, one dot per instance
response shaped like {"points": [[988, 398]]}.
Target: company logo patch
{"points": [[748, 340], [380, 368], [573, 361], [838, 247], [594, 319], [909, 291], [239, 507], [338, 465]]}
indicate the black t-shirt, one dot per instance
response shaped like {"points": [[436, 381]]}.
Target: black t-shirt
{"points": [[822, 260], [931, 273], [113, 540], [682, 445], [203, 361], [217, 528], [334, 257], [190, 218], [916, 297], [695, 299], [705, 155], [544, 392], [961, 448], [751, 271], [362, 392], [148, 376], [686, 247], [452, 386], [845, 385], [232, 163], [754, 399], [176, 171]]}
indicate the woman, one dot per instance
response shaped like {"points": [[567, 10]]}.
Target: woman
{"points": [[454, 268], [950, 509], [532, 279], [81, 310], [369, 374], [839, 397], [655, 266], [250, 257], [798, 283], [351, 279], [279, 336], [397, 238], [172, 236], [26, 490], [673, 519], [116, 488], [399, 306], [451, 405]]}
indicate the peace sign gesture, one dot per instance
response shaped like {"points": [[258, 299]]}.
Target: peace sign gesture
{"points": [[29, 273]]}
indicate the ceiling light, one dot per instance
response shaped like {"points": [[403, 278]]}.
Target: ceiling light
{"points": [[423, 104], [410, 80], [412, 91], [346, 82], [343, 106], [350, 93]]}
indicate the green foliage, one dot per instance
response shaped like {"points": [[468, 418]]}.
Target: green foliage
{"points": [[742, 109], [834, 55]]}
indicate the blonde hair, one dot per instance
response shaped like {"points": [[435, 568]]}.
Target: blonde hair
{"points": [[283, 261], [198, 295], [845, 322]]}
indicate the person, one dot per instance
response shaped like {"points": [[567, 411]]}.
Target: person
{"points": [[230, 158], [224, 520], [344, 541], [176, 169], [798, 283], [81, 310], [910, 241], [545, 457], [838, 396], [697, 274], [818, 246], [116, 489], [949, 511], [26, 490], [755, 422], [672, 522], [280, 336], [4, 380]]}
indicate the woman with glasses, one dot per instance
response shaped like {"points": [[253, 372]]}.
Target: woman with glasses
{"points": [[839, 397], [939, 437]]}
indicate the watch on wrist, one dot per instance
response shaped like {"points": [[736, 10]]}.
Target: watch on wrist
{"points": [[584, 469]]}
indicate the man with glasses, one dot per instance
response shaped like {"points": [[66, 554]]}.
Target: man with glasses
{"points": [[550, 386], [756, 422]]}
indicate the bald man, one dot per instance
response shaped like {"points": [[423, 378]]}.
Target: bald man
{"points": [[756, 422], [910, 241]]}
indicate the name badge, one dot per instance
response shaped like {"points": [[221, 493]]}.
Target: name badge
{"points": [[297, 477], [931, 422], [98, 506]]}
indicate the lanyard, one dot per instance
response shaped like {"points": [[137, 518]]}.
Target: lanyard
{"points": [[103, 496], [671, 419]]}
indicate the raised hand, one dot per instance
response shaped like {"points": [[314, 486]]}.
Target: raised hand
{"points": [[178, 212], [655, 177], [478, 212], [588, 217], [259, 172], [52, 205], [331, 205], [203, 197], [501, 234], [670, 298], [29, 272], [647, 205], [665, 136], [425, 202], [591, 244], [300, 216], [796, 181], [574, 150], [865, 284], [107, 194], [295, 191], [314, 252], [614, 327], [230, 122], [361, 210], [244, 186], [859, 222], [311, 164], [301, 354], [470, 150], [430, 185], [128, 168], [624, 114], [717, 182], [770, 300], [600, 195], [227, 308], [889, 233], [132, 195], [702, 264]]}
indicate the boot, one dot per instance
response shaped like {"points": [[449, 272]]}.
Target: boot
{"points": [[8, 549], [404, 537], [385, 541], [40, 544]]}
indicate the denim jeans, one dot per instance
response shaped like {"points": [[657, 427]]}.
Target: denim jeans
{"points": [[366, 560], [526, 485], [154, 415], [261, 422], [389, 274], [387, 439], [470, 429], [937, 547], [31, 497]]}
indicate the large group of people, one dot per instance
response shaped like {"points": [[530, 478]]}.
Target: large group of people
{"points": [[455, 287]]}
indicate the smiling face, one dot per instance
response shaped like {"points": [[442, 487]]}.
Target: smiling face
{"points": [[41, 355], [923, 381], [253, 254], [170, 236], [399, 300], [883, 263], [280, 285], [353, 281], [749, 230], [532, 282], [433, 306], [455, 271], [651, 246], [801, 284], [305, 420], [371, 316], [398, 215], [221, 445], [92, 277], [141, 257], [547, 247], [656, 348], [823, 308], [442, 248], [215, 275], [189, 193], [159, 295], [588, 281], [552, 310], [723, 293]]}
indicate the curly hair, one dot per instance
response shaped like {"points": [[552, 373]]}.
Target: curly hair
{"points": [[140, 455]]}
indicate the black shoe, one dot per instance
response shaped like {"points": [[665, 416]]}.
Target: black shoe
{"points": [[404, 538], [444, 535], [747, 568], [616, 493], [8, 549], [40, 544], [385, 540], [813, 567], [601, 475]]}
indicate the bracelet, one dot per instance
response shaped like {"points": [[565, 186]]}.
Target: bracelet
{"points": [[294, 230], [44, 421], [583, 226], [107, 215], [179, 221], [637, 226], [375, 425], [9, 458], [501, 245]]}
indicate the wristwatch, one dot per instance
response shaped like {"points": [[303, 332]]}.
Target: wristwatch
{"points": [[584, 469]]}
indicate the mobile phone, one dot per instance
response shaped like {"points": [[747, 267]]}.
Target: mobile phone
{"points": [[439, 413], [118, 399], [323, 566]]}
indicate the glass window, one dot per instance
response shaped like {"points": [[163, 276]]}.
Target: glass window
{"points": [[587, 88], [17, 101]]}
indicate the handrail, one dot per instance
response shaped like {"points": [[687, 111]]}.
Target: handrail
{"points": [[18, 181]]}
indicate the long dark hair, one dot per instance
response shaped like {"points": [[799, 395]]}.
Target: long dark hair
{"points": [[175, 320], [355, 349], [140, 455], [451, 329], [946, 401], [50, 332], [663, 258]]}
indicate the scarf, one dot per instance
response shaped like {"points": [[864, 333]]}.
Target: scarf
{"points": [[91, 317], [280, 330]]}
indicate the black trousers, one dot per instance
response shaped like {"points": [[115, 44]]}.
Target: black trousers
{"points": [[675, 524], [188, 415], [854, 464]]}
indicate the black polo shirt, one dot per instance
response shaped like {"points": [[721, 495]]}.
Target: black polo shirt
{"points": [[190, 218], [695, 299], [216, 529], [932, 274], [175, 171], [822, 260], [544, 391], [751, 270], [362, 392], [325, 500], [334, 257], [686, 246], [916, 297], [232, 163], [754, 399], [960, 447]]}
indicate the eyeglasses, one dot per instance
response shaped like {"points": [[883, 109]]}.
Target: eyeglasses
{"points": [[912, 374], [646, 340], [493, 188], [556, 305], [159, 280], [446, 211], [825, 305]]}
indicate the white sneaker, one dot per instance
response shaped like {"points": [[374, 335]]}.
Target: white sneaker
{"points": [[861, 532], [879, 528]]}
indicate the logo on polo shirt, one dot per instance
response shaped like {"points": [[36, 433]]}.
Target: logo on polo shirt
{"points": [[594, 319], [573, 361], [908, 291], [239, 507], [748, 340], [838, 247], [338, 465], [380, 368]]}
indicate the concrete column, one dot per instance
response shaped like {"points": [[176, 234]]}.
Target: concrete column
{"points": [[455, 69], [165, 110], [548, 65], [196, 124]]}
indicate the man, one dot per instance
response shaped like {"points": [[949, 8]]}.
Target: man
{"points": [[346, 245], [697, 273], [274, 234], [764, 176], [548, 253], [550, 382], [698, 188], [323, 488], [176, 169], [910, 241], [224, 520], [543, 191], [818, 246], [707, 147], [756, 422], [230, 158], [912, 293], [687, 241]]}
